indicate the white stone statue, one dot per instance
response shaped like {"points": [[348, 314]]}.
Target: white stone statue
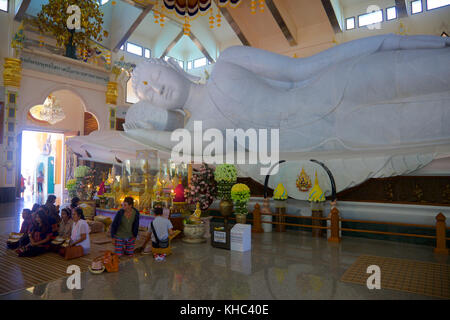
{"points": [[377, 94]]}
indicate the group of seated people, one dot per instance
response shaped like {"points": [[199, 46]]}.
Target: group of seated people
{"points": [[42, 224]]}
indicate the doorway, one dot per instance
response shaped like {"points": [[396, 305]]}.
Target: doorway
{"points": [[41, 166]]}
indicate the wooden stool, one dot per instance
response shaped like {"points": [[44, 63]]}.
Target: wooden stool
{"points": [[167, 250]]}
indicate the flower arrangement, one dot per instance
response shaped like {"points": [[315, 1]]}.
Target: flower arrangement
{"points": [[84, 182], [71, 186], [280, 193], [202, 189], [240, 194], [81, 171], [225, 175]]}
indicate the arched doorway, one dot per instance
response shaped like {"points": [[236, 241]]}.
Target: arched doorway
{"points": [[43, 153]]}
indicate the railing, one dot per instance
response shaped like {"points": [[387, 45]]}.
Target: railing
{"points": [[335, 228]]}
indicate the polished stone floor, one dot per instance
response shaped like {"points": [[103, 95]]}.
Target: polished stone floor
{"points": [[289, 265]]}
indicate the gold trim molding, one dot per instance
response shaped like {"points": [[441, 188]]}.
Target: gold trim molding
{"points": [[12, 73], [111, 93]]}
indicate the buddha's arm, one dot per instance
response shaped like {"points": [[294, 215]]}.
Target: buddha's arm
{"points": [[277, 67]]}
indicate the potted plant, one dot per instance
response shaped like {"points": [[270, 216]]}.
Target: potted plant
{"points": [[202, 189], [53, 19], [226, 176], [240, 194], [84, 182], [194, 227], [71, 186]]}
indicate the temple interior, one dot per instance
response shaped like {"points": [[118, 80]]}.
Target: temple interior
{"points": [[225, 149]]}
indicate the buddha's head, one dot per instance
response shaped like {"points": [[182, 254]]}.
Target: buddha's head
{"points": [[163, 83]]}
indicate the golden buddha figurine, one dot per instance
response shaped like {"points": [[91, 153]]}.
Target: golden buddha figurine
{"points": [[195, 217]]}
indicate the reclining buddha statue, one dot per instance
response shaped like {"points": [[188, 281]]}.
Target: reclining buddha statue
{"points": [[381, 93]]}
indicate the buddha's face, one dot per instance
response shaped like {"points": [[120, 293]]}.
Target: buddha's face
{"points": [[163, 87]]}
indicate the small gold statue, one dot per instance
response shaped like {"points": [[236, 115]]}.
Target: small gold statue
{"points": [[195, 217]]}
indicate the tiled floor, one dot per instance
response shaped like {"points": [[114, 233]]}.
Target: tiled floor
{"points": [[290, 265]]}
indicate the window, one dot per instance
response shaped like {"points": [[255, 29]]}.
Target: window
{"points": [[416, 6], [4, 5], [102, 2], [166, 58], [370, 18], [199, 62], [391, 13], [131, 97], [433, 4], [350, 23], [181, 64], [122, 47], [147, 53], [189, 65], [135, 49]]}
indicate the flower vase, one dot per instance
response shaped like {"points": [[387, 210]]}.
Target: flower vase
{"points": [[226, 207], [241, 218], [241, 211]]}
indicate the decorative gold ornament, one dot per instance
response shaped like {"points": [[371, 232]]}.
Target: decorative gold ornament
{"points": [[316, 194], [12, 70], [303, 181], [111, 93]]}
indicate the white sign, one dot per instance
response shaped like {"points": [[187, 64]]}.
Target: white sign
{"points": [[241, 237], [220, 236]]}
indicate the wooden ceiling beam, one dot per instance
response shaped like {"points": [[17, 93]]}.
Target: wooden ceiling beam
{"points": [[226, 14], [20, 13], [172, 44], [288, 34], [401, 8], [331, 15], [133, 27], [201, 47]]}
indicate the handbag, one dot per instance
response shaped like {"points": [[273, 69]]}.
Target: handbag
{"points": [[162, 243], [111, 261], [73, 252]]}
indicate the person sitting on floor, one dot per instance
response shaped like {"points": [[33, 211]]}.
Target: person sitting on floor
{"points": [[39, 237], [80, 231], [25, 228], [53, 222], [162, 227], [52, 209], [27, 221], [65, 225], [125, 228]]}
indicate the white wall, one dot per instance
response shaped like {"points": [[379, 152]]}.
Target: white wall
{"points": [[432, 22], [36, 86]]}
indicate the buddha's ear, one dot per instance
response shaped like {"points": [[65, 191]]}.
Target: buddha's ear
{"points": [[185, 113], [177, 67]]}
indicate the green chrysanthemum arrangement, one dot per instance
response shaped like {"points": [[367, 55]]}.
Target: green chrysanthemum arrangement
{"points": [[81, 171], [240, 194], [71, 186], [226, 176]]}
